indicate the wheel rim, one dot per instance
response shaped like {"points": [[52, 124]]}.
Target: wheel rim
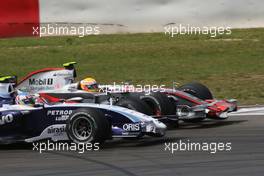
{"points": [[82, 128]]}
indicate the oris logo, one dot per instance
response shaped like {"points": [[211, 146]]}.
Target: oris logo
{"points": [[56, 130], [41, 82], [6, 119], [131, 127]]}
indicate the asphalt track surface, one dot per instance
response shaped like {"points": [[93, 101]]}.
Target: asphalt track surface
{"points": [[148, 156]]}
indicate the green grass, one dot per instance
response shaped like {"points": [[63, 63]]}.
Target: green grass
{"points": [[232, 66]]}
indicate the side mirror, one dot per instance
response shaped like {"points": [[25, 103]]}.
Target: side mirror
{"points": [[38, 105], [76, 99], [173, 98]]}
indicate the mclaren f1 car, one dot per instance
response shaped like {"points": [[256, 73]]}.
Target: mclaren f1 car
{"points": [[191, 102]]}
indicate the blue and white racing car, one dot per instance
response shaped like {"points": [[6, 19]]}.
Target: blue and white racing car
{"points": [[67, 120]]}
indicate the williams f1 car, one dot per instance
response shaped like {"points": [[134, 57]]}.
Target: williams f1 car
{"points": [[38, 119]]}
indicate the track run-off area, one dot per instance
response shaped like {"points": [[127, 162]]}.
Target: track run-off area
{"points": [[149, 156]]}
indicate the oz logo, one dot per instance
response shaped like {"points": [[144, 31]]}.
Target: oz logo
{"points": [[6, 119]]}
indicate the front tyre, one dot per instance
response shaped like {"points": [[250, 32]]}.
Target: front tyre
{"points": [[159, 103], [134, 104], [87, 126]]}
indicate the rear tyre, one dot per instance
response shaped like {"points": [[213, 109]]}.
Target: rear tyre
{"points": [[197, 89], [87, 126]]}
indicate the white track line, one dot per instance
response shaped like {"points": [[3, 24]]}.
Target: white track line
{"points": [[254, 111]]}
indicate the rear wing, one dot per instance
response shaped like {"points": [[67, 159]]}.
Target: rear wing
{"points": [[70, 66], [48, 79], [9, 79], [7, 90]]}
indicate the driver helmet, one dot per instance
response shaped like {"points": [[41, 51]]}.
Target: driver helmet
{"points": [[89, 85]]}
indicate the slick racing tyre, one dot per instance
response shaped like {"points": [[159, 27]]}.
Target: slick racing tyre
{"points": [[134, 104], [87, 126], [159, 103], [198, 90]]}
